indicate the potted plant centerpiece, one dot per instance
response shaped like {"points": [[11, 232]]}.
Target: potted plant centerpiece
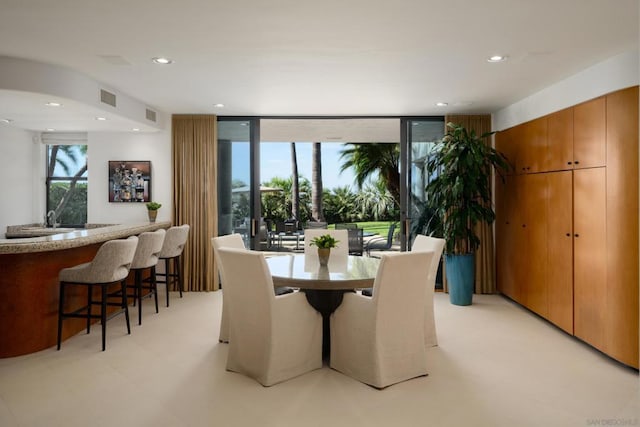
{"points": [[459, 196], [152, 210], [324, 243]]}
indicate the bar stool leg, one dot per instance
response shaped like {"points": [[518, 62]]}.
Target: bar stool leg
{"points": [[103, 315], [89, 304], [178, 274], [166, 277], [60, 313], [125, 305], [154, 286], [138, 285]]}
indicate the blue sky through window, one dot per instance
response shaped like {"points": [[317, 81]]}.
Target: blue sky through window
{"points": [[275, 161]]}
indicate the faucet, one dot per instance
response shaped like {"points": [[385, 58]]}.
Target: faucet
{"points": [[49, 215]]}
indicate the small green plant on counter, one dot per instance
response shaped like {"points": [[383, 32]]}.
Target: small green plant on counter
{"points": [[153, 206], [326, 241]]}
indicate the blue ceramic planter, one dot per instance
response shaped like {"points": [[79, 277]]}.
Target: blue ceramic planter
{"points": [[460, 278]]}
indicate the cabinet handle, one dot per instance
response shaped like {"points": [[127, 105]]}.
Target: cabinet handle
{"points": [[524, 225], [576, 162], [576, 235], [568, 234], [569, 163]]}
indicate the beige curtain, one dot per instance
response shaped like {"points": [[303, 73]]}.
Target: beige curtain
{"points": [[195, 198], [485, 282]]}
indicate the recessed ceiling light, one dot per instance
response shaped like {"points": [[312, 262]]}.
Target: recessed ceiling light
{"points": [[497, 58], [218, 105], [441, 104], [6, 120], [101, 119], [162, 61], [136, 129], [53, 104]]}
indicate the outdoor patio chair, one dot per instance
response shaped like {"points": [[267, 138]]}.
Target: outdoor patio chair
{"points": [[380, 243], [356, 241]]}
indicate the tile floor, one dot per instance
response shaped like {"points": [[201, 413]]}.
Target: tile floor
{"points": [[496, 365]]}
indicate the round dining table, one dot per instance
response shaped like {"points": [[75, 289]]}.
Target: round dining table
{"points": [[323, 286], [304, 272]]}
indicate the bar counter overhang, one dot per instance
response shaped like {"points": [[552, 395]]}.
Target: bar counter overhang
{"points": [[29, 288]]}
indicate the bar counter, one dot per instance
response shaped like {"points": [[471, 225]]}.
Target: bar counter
{"points": [[29, 285]]}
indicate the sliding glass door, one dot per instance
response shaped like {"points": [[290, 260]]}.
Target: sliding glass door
{"points": [[418, 137], [286, 144], [237, 178]]}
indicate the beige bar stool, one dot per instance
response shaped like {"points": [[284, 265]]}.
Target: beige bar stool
{"points": [[109, 266], [174, 242], [146, 257]]}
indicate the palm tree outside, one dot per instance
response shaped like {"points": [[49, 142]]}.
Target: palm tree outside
{"points": [[369, 159]]}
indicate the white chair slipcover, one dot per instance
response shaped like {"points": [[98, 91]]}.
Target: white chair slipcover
{"points": [[229, 241], [435, 245], [271, 338], [380, 340]]}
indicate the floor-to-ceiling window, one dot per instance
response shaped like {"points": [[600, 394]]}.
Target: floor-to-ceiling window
{"points": [[421, 133], [234, 178], [360, 176], [67, 179]]}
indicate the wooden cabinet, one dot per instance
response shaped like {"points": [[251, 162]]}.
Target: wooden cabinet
{"points": [[589, 138], [534, 244], [590, 254], [621, 321], [573, 138], [532, 152], [507, 144], [532, 269], [560, 248], [560, 140], [567, 224]]}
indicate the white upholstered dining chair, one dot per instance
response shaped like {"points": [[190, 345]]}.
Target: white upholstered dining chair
{"points": [[378, 340], [227, 241], [271, 338], [435, 245], [233, 241]]}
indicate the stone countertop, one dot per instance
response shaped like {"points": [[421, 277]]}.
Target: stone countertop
{"points": [[77, 238], [39, 230]]}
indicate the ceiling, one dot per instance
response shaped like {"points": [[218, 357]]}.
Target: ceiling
{"points": [[303, 58]]}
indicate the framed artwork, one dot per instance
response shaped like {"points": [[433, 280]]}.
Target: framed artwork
{"points": [[129, 181]]}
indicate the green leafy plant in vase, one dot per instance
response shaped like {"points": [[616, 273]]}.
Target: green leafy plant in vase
{"points": [[324, 243], [152, 210], [459, 198]]}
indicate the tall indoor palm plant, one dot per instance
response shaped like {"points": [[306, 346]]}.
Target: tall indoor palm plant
{"points": [[459, 196]]}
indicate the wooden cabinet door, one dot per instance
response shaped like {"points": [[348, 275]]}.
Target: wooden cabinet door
{"points": [[506, 237], [560, 249], [590, 254], [589, 138], [560, 141], [506, 144], [533, 265], [533, 146], [622, 226]]}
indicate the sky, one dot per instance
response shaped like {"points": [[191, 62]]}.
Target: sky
{"points": [[275, 161]]}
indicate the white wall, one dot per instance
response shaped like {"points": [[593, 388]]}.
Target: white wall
{"points": [[615, 73], [102, 147], [22, 188]]}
